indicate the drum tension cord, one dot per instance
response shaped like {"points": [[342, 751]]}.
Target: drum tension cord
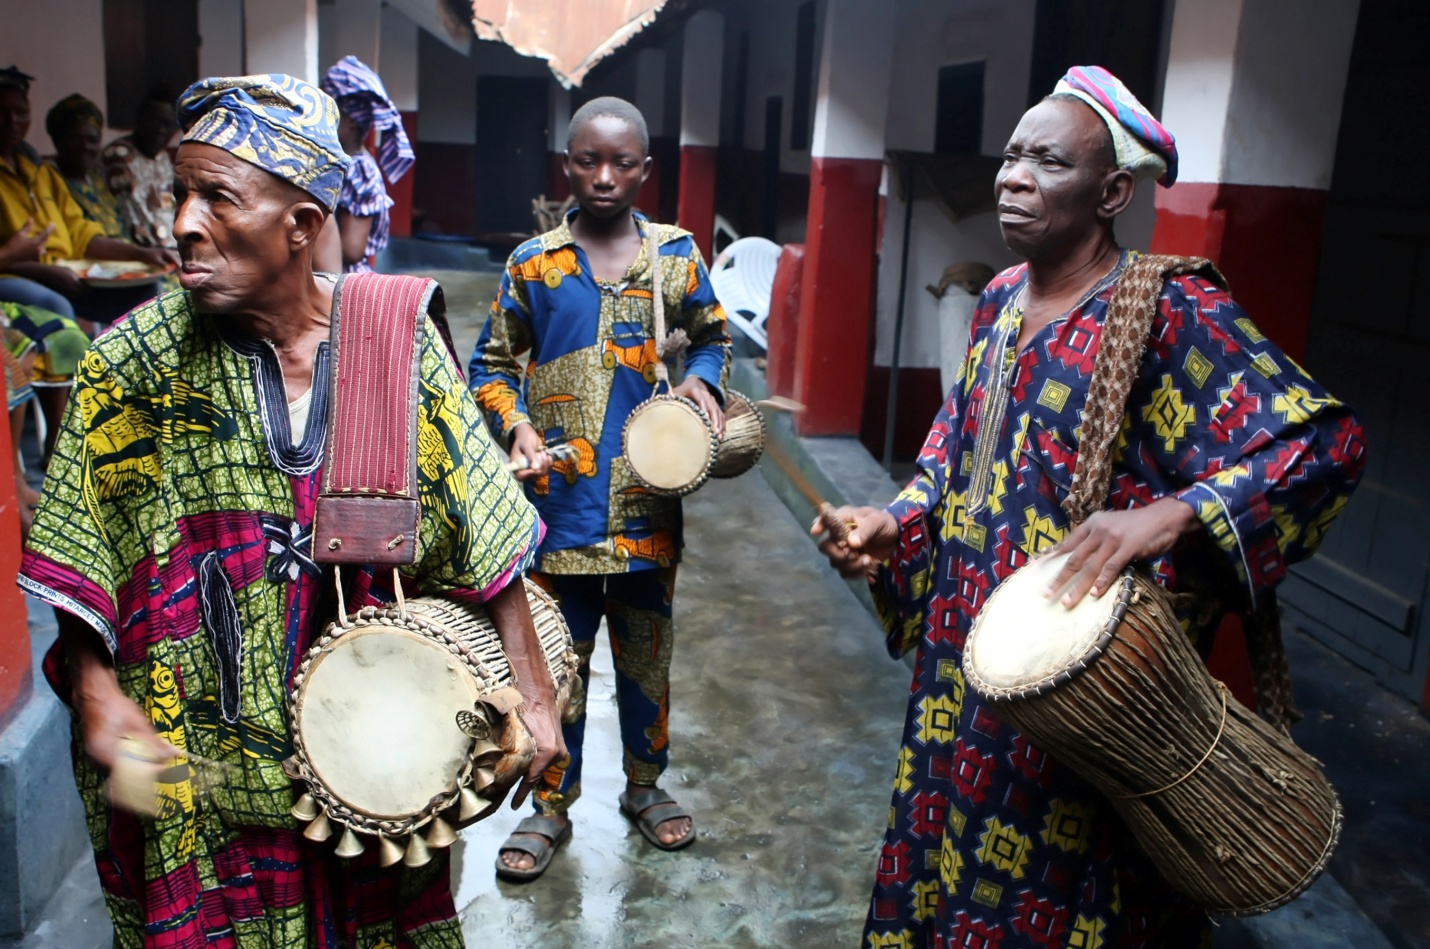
{"points": [[342, 602], [1221, 730]]}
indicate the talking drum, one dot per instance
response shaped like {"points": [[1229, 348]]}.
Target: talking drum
{"points": [[669, 445], [1233, 814], [744, 438], [405, 723]]}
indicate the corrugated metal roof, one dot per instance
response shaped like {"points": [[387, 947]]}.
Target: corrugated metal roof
{"points": [[571, 35]]}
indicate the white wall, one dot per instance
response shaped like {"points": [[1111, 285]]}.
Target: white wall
{"points": [[447, 85], [50, 41], [350, 28], [281, 36], [932, 34], [221, 38], [398, 52], [1254, 89]]}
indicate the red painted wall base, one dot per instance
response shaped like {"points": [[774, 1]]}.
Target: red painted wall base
{"points": [[782, 327], [15, 633], [695, 209], [1266, 240], [835, 323]]}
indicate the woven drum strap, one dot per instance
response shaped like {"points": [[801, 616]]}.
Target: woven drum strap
{"points": [[367, 512], [662, 372], [1119, 355]]}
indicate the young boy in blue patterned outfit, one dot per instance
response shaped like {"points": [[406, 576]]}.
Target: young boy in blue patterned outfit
{"points": [[579, 301]]}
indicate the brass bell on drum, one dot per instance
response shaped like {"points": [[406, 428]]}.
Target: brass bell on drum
{"points": [[306, 808], [319, 830], [486, 753], [389, 851], [417, 854], [440, 834], [349, 846]]}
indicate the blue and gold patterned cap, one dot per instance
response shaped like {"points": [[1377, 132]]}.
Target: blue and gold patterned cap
{"points": [[281, 124]]}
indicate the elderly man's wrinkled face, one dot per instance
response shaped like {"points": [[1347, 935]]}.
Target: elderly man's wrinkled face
{"points": [[1055, 170], [235, 226]]}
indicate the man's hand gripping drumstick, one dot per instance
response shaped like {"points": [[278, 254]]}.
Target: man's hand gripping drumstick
{"points": [[531, 457]]}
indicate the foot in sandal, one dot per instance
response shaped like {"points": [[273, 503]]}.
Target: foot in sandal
{"points": [[660, 820], [528, 851]]}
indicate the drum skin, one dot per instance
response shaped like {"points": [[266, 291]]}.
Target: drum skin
{"points": [[378, 708], [744, 439], [669, 445], [1230, 810]]}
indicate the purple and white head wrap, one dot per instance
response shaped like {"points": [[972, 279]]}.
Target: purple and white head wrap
{"points": [[1143, 146], [362, 96]]}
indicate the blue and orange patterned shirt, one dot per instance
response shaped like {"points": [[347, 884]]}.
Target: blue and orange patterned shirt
{"points": [[591, 360], [991, 839]]}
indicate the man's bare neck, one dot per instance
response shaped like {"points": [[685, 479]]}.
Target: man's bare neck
{"points": [[292, 317], [1072, 275]]}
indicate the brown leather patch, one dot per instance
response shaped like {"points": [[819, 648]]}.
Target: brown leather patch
{"points": [[365, 529]]}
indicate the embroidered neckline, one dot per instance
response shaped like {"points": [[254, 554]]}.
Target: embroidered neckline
{"points": [[304, 457]]}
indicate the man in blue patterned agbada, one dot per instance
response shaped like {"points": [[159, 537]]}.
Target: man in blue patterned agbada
{"points": [[1231, 465]]}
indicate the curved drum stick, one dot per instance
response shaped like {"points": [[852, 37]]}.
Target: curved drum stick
{"points": [[837, 528]]}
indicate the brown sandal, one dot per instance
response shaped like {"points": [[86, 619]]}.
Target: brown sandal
{"points": [[542, 850], [649, 809]]}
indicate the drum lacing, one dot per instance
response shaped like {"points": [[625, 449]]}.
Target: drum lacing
{"points": [[1221, 729], [342, 601]]}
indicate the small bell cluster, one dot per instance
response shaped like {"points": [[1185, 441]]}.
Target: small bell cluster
{"points": [[469, 807]]}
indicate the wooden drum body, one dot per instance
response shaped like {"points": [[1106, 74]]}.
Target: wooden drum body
{"points": [[744, 439], [1233, 814], [404, 719]]}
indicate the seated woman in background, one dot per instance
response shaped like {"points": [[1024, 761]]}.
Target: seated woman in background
{"points": [[75, 125], [32, 192], [363, 204]]}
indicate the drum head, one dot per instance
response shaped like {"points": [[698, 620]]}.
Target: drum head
{"points": [[1023, 641], [377, 717], [668, 444]]}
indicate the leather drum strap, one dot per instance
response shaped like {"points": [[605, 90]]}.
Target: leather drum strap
{"points": [[368, 510]]}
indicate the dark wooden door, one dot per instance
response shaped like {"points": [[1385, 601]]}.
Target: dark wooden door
{"points": [[1367, 593], [511, 150]]}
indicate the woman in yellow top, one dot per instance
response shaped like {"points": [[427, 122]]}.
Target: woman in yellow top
{"points": [[32, 191]]}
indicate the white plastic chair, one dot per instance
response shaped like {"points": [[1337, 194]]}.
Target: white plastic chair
{"points": [[743, 276]]}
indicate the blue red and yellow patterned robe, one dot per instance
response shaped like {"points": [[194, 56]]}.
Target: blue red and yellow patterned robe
{"points": [[991, 841], [177, 506], [592, 361]]}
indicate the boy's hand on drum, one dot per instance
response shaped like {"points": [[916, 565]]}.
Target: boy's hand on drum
{"points": [[528, 453], [873, 535], [695, 389], [1102, 546]]}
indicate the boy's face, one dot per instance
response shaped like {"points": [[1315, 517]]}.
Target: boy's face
{"points": [[606, 166]]}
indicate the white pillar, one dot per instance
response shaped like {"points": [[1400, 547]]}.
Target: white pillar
{"points": [[282, 37], [854, 68], [1254, 88], [220, 38], [350, 28], [650, 89], [559, 119], [398, 45], [701, 61]]}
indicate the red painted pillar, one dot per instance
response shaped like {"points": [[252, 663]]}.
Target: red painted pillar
{"points": [[1255, 102], [831, 365], [15, 632], [701, 61], [782, 327], [696, 205], [401, 190], [1266, 240]]}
